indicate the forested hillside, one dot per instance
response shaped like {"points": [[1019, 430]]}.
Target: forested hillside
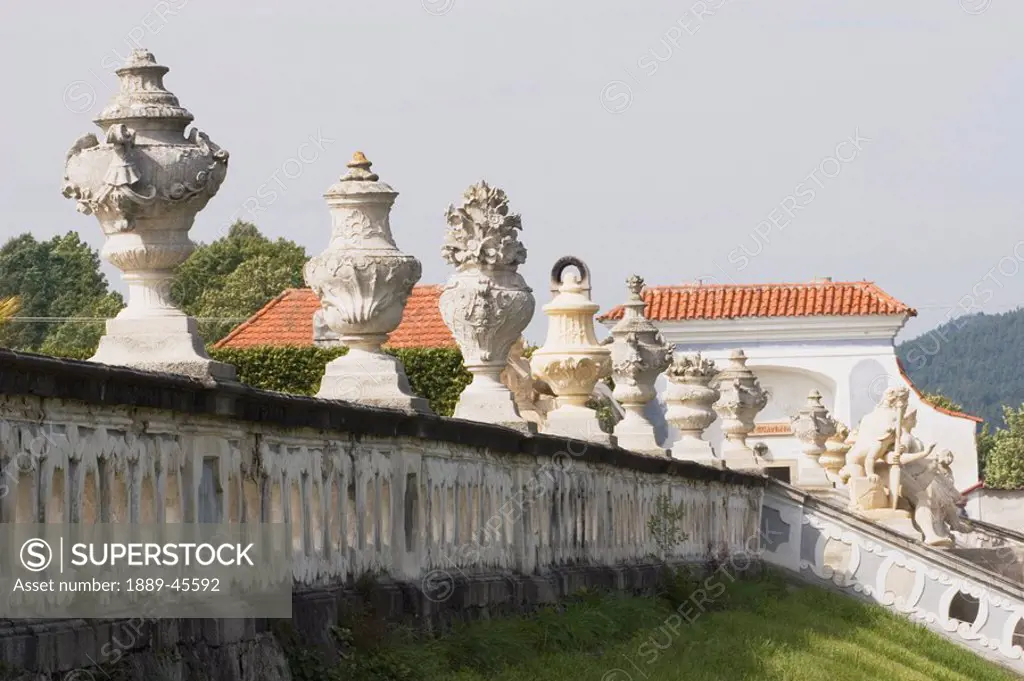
{"points": [[976, 360]]}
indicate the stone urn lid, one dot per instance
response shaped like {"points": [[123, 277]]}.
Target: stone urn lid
{"points": [[360, 182], [143, 103]]}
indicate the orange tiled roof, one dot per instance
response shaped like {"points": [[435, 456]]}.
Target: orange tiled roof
{"points": [[819, 298], [288, 320]]}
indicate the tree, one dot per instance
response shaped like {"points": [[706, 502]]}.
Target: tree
{"points": [[56, 278], [1004, 467], [226, 281], [80, 338]]}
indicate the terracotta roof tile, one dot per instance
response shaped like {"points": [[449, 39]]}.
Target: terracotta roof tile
{"points": [[288, 320], [826, 298]]}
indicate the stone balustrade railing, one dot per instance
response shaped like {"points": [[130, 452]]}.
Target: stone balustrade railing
{"points": [[972, 595], [362, 489]]}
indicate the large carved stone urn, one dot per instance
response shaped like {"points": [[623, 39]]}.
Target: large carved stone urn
{"points": [[571, 361], [689, 399], [486, 303], [742, 397], [813, 426], [639, 355], [144, 180], [363, 282]]}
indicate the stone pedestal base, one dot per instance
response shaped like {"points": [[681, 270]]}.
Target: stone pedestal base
{"points": [[168, 344], [866, 495], [487, 400], [895, 519], [636, 433], [812, 476], [576, 422], [370, 378], [738, 456], [699, 451]]}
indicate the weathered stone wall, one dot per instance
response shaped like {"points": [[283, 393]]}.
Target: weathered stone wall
{"points": [[434, 506]]}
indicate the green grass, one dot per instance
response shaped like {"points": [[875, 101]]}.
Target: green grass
{"points": [[763, 631]]}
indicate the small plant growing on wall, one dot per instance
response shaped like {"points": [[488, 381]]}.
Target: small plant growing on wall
{"points": [[675, 584], [666, 526]]}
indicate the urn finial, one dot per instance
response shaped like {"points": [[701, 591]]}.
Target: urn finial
{"points": [[635, 286], [143, 102], [359, 169]]}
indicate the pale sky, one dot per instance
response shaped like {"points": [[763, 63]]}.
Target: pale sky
{"points": [[640, 137]]}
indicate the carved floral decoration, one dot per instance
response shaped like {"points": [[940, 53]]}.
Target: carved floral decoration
{"points": [[482, 232]]}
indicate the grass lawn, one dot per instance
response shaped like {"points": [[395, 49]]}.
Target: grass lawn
{"points": [[763, 631]]}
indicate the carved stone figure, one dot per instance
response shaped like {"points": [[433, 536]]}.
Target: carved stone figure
{"points": [[639, 355], [927, 483], [571, 360], [741, 399], [893, 476], [533, 398], [689, 399], [486, 303], [875, 435], [813, 426], [145, 183], [363, 282]]}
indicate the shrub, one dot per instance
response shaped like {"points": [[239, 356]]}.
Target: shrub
{"points": [[436, 374]]}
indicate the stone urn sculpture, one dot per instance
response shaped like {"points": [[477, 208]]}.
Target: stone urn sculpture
{"points": [[689, 399], [363, 282], [486, 303], [813, 426], [144, 180], [836, 447], [639, 355], [571, 361], [742, 397]]}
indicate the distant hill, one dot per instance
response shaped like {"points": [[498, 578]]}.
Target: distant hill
{"points": [[976, 360]]}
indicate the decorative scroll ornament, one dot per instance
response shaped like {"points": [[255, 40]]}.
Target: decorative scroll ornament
{"points": [[486, 303], [639, 355], [363, 282], [145, 183]]}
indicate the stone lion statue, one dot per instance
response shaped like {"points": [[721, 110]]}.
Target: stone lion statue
{"points": [[919, 477], [875, 436]]}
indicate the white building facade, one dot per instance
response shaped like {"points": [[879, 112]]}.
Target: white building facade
{"points": [[834, 337]]}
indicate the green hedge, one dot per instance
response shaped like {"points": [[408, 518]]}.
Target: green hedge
{"points": [[434, 373]]}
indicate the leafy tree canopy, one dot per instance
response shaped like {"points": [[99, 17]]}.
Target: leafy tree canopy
{"points": [[226, 281], [55, 278], [1004, 466]]}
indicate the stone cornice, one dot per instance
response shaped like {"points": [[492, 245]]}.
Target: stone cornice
{"points": [[782, 329], [45, 377]]}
